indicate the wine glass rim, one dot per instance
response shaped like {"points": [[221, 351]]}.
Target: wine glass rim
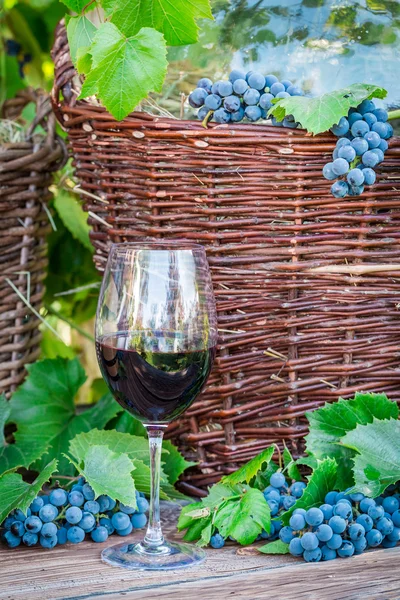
{"points": [[158, 245]]}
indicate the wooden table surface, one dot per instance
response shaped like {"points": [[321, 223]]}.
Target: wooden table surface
{"points": [[77, 572]]}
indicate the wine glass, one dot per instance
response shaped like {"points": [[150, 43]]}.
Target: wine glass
{"points": [[156, 332]]}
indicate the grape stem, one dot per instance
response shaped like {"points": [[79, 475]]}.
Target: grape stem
{"points": [[394, 114]]}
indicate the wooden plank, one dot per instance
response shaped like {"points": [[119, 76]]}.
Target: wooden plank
{"points": [[77, 573]]}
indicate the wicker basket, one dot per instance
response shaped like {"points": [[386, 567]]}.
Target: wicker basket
{"points": [[25, 174], [307, 286]]}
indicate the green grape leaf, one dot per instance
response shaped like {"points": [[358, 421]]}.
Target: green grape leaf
{"points": [[125, 69], [377, 462], [44, 413], [16, 493], [331, 422], [174, 463], [319, 114], [125, 423], [195, 529], [5, 410], [248, 471], [320, 482], [78, 5], [108, 473], [80, 32], [291, 467], [176, 20], [73, 216], [244, 518], [276, 547]]}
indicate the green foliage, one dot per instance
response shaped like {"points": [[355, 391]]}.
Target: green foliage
{"points": [[319, 114], [248, 472], [331, 422], [107, 472], [125, 69], [73, 217], [276, 547], [16, 493], [174, 463], [377, 462], [80, 32], [290, 465]]}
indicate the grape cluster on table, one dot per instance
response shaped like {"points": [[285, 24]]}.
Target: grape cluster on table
{"points": [[361, 147], [344, 525], [69, 516], [247, 95]]}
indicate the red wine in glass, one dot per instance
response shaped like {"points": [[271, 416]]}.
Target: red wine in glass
{"points": [[156, 332]]}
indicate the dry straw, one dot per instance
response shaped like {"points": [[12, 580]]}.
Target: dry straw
{"points": [[307, 285]]}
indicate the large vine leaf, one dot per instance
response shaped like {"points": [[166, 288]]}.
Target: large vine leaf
{"points": [[80, 33], [249, 470], [243, 519], [73, 216], [176, 20], [125, 69], [276, 547], [16, 493], [320, 113], [320, 482], [44, 413], [108, 473], [377, 462], [78, 5], [331, 422]]}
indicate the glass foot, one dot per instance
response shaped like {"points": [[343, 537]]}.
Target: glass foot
{"points": [[170, 555]]}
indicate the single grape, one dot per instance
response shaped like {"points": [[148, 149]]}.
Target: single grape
{"points": [[87, 492], [238, 115], [343, 509], [341, 142], [330, 498], [353, 117], [103, 502], [215, 87], [106, 522], [379, 500], [366, 106], [359, 128], [212, 102], [341, 128], [92, 506], [396, 518], [373, 139], [347, 152], [273, 506], [222, 116], [335, 153], [265, 535], [231, 103], [324, 532], [276, 87], [282, 95], [366, 522], [235, 75], [297, 488], [256, 81], [295, 547], [386, 543], [370, 118], [343, 497], [360, 145], [277, 480], [346, 549], [300, 511], [292, 90], [288, 502], [366, 502], [355, 177], [138, 520], [62, 536], [11, 540], [36, 504], [383, 145], [126, 531], [75, 534], [297, 522], [225, 88], [339, 189], [394, 536], [8, 522], [309, 541], [217, 541], [196, 99], [253, 113], [370, 159], [48, 513], [20, 516], [381, 114], [265, 101], [327, 553], [17, 528], [76, 498], [390, 504], [30, 539], [33, 524], [49, 530], [120, 520], [88, 522], [340, 166], [376, 512], [276, 123], [369, 179], [314, 555], [286, 83], [240, 86], [335, 542], [58, 497], [270, 80], [356, 531], [360, 545], [327, 510], [286, 534], [142, 505], [272, 494], [77, 488], [384, 525], [374, 538], [73, 515], [379, 154], [100, 534], [48, 542], [205, 83], [251, 97], [337, 523]]}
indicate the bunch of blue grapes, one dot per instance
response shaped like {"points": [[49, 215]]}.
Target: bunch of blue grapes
{"points": [[244, 95], [69, 516], [363, 140]]}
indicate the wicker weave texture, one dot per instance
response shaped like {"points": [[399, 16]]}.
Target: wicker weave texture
{"points": [[307, 285], [25, 175]]}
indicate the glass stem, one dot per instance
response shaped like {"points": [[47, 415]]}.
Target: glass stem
{"points": [[154, 536]]}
